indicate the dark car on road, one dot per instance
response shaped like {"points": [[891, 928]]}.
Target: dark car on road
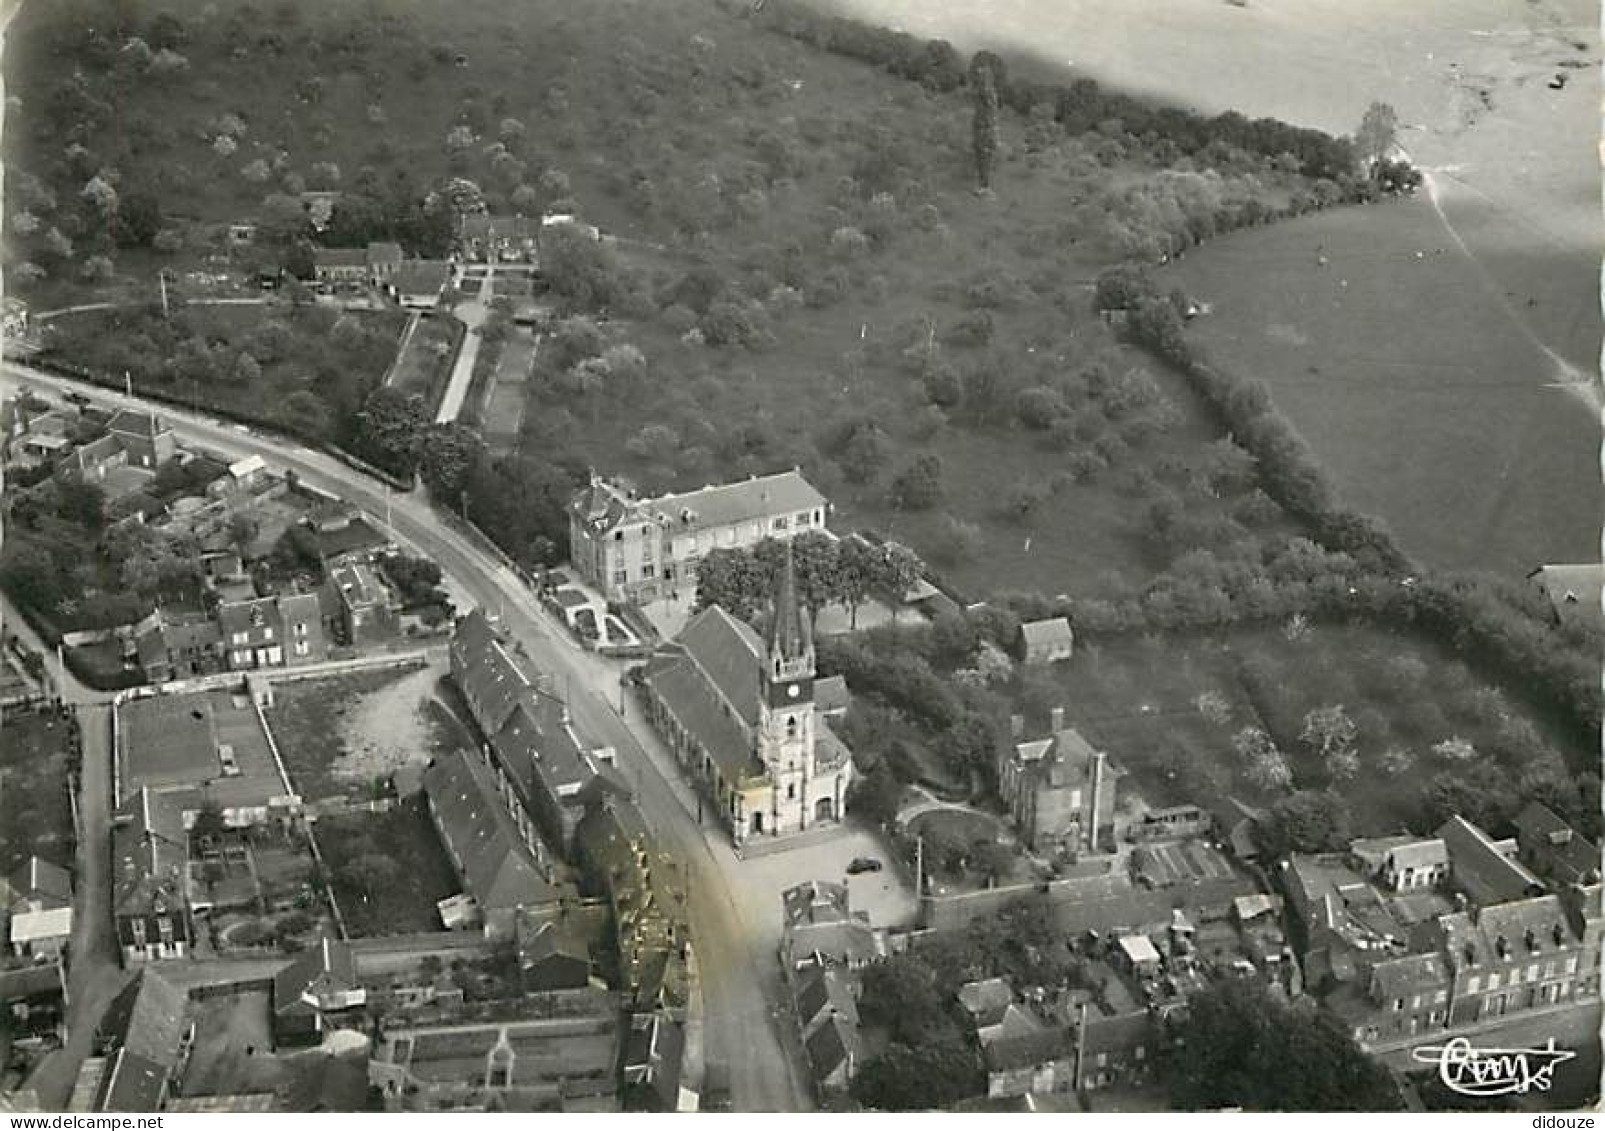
{"points": [[863, 864]]}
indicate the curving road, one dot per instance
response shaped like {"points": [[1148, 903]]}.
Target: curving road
{"points": [[747, 1026]]}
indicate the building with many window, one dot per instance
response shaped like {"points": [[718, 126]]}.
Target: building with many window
{"points": [[637, 549]]}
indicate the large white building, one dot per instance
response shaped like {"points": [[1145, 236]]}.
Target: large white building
{"points": [[635, 549]]}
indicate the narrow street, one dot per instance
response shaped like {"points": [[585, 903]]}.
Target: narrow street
{"points": [[96, 975], [746, 1023]]}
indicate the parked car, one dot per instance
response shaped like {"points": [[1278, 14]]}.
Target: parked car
{"points": [[862, 864]]}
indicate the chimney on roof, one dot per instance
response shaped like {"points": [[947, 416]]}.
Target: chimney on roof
{"points": [[1056, 720], [1016, 726]]}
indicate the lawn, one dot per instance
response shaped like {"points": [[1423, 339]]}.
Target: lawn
{"points": [[307, 719], [1139, 699], [1416, 380], [35, 812], [425, 364], [421, 875]]}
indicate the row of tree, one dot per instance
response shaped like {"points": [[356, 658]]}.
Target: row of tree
{"points": [[829, 571]]}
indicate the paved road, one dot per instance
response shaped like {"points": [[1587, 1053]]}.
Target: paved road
{"points": [[96, 975], [473, 314], [746, 1025]]}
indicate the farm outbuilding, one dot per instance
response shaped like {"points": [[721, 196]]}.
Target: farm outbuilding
{"points": [[1046, 641]]}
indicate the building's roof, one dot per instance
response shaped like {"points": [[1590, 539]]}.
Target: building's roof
{"points": [[783, 493], [422, 276], [1117, 1035], [381, 251], [1573, 590], [1403, 851], [822, 991], [552, 938], [132, 1083], [146, 1022], [1139, 948], [1053, 632], [86, 456], [244, 468], [1480, 869], [986, 1001], [38, 880], [1026, 1050], [1408, 975], [833, 1044], [1015, 1021], [1541, 826], [357, 585], [182, 740], [33, 926], [150, 853], [1517, 929], [132, 422], [497, 868], [831, 694], [339, 257], [249, 616], [1066, 759], [730, 656], [1250, 907], [851, 941], [816, 901], [324, 967], [39, 979], [697, 704]]}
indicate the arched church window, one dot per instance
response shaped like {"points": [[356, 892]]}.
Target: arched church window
{"points": [[791, 726]]}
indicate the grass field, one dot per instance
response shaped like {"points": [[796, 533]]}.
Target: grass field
{"points": [[1414, 378], [1137, 699], [405, 836], [306, 719], [425, 364], [35, 813]]}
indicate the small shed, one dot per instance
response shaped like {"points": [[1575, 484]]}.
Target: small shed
{"points": [[1140, 954], [1046, 641]]}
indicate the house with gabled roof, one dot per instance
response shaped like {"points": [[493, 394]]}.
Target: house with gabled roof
{"points": [[1403, 863], [540, 763], [1552, 848], [145, 1037], [818, 927], [146, 437], [150, 877], [37, 885], [1046, 641], [315, 993], [497, 868], [1060, 790], [1485, 869], [553, 953]]}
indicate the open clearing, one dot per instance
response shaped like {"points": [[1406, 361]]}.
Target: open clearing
{"points": [[35, 813], [423, 873], [339, 736], [1137, 699], [1414, 380]]}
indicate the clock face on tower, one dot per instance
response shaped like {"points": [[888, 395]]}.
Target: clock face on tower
{"points": [[792, 691]]}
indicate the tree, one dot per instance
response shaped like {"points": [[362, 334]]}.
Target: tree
{"points": [[1263, 764], [1377, 133], [919, 485], [919, 1078], [1330, 733], [580, 268], [1306, 821], [209, 823], [371, 871], [874, 797], [449, 453], [984, 123], [391, 427], [1240, 1046], [734, 580]]}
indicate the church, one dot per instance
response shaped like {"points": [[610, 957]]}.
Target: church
{"points": [[738, 711]]}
